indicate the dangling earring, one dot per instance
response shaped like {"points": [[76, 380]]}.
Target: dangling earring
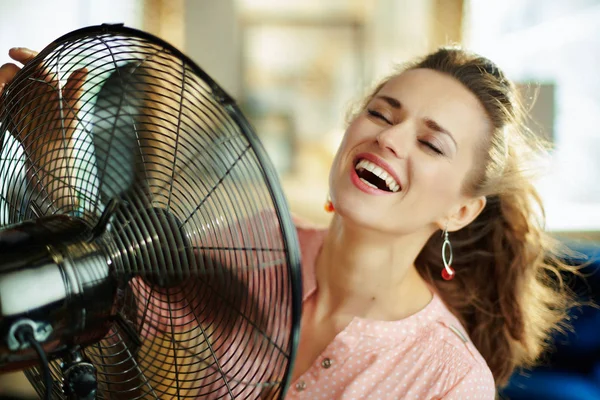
{"points": [[329, 205], [447, 273]]}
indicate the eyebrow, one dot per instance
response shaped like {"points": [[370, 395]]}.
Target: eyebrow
{"points": [[431, 124], [391, 101]]}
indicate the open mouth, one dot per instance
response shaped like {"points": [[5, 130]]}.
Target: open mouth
{"points": [[375, 176]]}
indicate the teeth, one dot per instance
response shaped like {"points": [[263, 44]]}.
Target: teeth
{"points": [[381, 173], [368, 183]]}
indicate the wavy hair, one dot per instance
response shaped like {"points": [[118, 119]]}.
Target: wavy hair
{"points": [[509, 290]]}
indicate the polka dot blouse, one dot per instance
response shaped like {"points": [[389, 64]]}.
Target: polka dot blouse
{"points": [[425, 356]]}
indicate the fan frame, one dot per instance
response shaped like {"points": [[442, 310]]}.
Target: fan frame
{"points": [[286, 225]]}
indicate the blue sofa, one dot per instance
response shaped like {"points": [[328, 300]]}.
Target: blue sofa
{"points": [[571, 370]]}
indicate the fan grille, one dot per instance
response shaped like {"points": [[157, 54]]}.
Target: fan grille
{"points": [[110, 113]]}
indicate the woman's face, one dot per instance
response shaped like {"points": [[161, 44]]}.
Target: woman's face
{"points": [[403, 161]]}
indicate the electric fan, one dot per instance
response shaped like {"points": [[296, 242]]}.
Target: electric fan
{"points": [[146, 248]]}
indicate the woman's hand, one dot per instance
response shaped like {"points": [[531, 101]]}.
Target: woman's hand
{"points": [[42, 115], [8, 71], [40, 93]]}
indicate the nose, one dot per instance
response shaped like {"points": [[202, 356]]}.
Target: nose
{"points": [[395, 139]]}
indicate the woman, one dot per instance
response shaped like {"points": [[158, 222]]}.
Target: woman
{"points": [[432, 161], [433, 279]]}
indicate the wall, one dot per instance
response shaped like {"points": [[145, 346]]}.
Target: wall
{"points": [[35, 23]]}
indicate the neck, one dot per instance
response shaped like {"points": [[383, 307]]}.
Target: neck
{"points": [[370, 274]]}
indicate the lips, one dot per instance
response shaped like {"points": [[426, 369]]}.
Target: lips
{"points": [[375, 174]]}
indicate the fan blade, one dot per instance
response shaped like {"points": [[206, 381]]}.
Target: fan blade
{"points": [[115, 133]]}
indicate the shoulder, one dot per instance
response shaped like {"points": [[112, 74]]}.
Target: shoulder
{"points": [[475, 379], [305, 225], [468, 374], [310, 235], [310, 239]]}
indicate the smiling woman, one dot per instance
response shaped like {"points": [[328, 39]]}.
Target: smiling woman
{"points": [[433, 279]]}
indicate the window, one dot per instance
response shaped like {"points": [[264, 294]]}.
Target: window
{"points": [[555, 44]]}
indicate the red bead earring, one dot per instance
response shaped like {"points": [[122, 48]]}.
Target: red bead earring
{"points": [[329, 206], [448, 272]]}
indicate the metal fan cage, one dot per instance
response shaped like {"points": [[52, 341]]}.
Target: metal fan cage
{"points": [[200, 241]]}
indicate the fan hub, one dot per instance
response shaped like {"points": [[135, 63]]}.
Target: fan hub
{"points": [[146, 233]]}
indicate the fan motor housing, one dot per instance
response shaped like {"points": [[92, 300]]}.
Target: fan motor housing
{"points": [[55, 280]]}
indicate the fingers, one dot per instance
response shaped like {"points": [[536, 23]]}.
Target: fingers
{"points": [[7, 73], [72, 90], [9, 70], [74, 84], [22, 54]]}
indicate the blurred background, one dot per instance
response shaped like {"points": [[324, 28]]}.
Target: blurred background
{"points": [[296, 66]]}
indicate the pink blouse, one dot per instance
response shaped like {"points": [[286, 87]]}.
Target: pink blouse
{"points": [[425, 356]]}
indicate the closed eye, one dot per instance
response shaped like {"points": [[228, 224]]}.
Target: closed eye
{"points": [[378, 115], [432, 147]]}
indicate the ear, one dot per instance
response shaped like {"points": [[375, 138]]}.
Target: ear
{"points": [[466, 213]]}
